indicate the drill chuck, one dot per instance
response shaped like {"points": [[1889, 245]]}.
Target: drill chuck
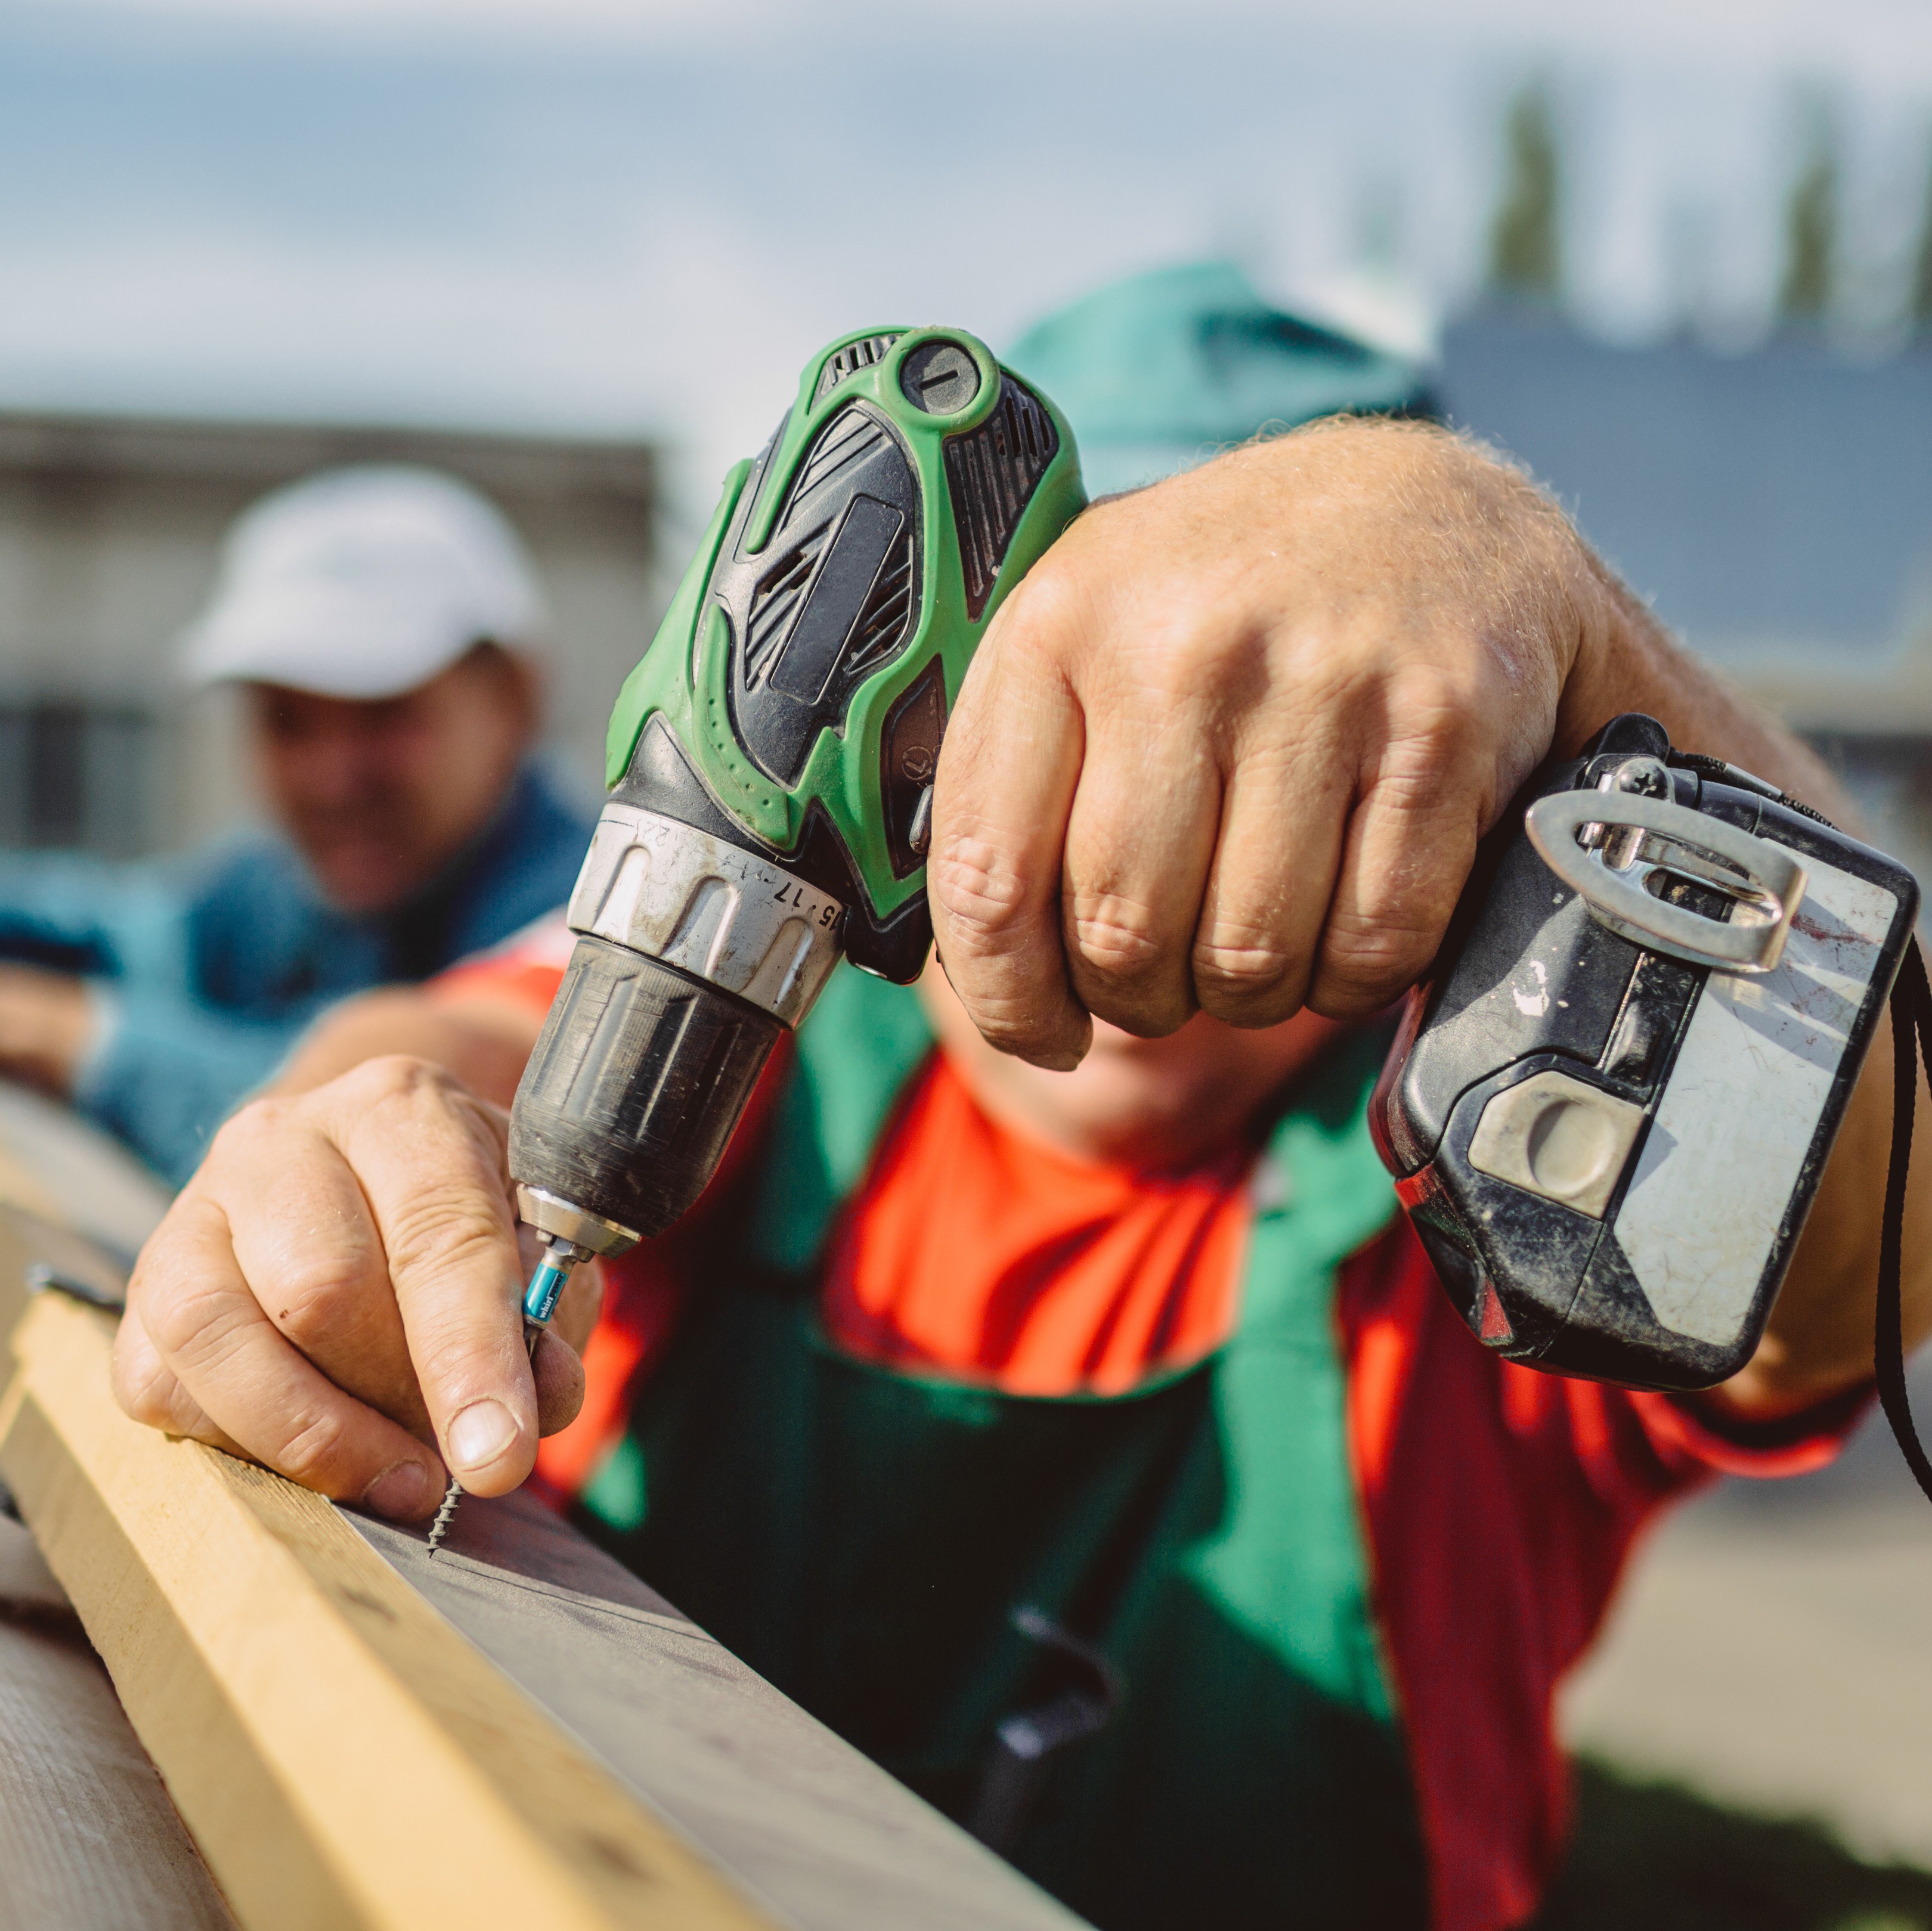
{"points": [[640, 1075], [693, 955]]}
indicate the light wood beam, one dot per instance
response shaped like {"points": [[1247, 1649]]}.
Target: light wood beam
{"points": [[342, 1757], [518, 1734]]}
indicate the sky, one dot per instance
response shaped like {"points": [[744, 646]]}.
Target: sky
{"points": [[641, 218]]}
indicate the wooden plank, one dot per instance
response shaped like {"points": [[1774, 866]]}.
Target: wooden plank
{"points": [[775, 1798], [518, 1732], [89, 1840], [342, 1756]]}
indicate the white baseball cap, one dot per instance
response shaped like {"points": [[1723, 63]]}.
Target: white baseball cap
{"points": [[363, 582]]}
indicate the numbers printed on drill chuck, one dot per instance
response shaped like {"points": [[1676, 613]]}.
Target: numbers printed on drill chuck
{"points": [[710, 908]]}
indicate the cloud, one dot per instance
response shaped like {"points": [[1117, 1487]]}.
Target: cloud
{"points": [[1856, 40], [643, 218]]}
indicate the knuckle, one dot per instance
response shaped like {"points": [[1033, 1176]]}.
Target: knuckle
{"points": [[245, 1128], [143, 1387], [1048, 607], [312, 1294], [162, 1293], [1125, 969], [1432, 734], [982, 894], [140, 1400], [1244, 977], [1202, 648], [314, 1451], [1115, 936], [1243, 954], [412, 1104], [1367, 962], [188, 1325], [392, 1077], [442, 1232], [383, 1088]]}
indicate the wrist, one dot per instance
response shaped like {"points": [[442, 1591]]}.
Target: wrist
{"points": [[1616, 663], [1774, 1389]]}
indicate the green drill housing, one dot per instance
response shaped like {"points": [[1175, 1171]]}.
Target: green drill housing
{"points": [[803, 674], [771, 764]]}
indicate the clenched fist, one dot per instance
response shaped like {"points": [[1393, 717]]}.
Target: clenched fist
{"points": [[1230, 745]]}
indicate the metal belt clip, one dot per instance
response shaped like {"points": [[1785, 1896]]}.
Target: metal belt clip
{"points": [[1615, 850]]}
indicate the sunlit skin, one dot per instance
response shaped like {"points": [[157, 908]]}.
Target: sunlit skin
{"points": [[1147, 1103], [379, 795], [1222, 761]]}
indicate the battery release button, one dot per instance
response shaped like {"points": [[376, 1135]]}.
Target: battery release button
{"points": [[1553, 1135]]}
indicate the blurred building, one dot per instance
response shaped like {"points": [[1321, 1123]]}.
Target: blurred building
{"points": [[108, 532], [1775, 506]]}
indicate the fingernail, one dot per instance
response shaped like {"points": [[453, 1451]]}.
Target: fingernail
{"points": [[402, 1490], [484, 1431]]}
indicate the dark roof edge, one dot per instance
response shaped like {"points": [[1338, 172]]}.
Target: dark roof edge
{"points": [[241, 450]]}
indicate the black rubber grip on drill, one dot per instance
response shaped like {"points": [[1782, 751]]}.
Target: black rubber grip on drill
{"points": [[639, 1077]]}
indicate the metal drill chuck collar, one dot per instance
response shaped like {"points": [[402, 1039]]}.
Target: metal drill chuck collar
{"points": [[562, 1222], [709, 908], [693, 955]]}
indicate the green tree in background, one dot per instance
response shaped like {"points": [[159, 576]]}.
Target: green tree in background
{"points": [[1811, 224], [1919, 301], [1526, 240]]}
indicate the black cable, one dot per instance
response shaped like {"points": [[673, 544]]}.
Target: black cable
{"points": [[1726, 773], [1911, 1037]]}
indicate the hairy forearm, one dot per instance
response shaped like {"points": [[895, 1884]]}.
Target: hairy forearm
{"points": [[1629, 662], [484, 1043], [1819, 1338]]}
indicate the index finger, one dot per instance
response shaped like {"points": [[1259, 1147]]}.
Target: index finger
{"points": [[1008, 770], [214, 1366], [431, 1162]]}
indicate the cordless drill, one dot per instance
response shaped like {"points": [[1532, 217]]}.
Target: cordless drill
{"points": [[1613, 1096], [770, 766]]}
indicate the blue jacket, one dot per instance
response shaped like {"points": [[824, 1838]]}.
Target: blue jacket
{"points": [[210, 966]]}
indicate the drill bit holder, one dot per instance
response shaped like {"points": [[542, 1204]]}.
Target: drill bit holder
{"points": [[640, 1075]]}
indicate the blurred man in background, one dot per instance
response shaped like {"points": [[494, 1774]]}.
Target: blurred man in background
{"points": [[380, 622]]}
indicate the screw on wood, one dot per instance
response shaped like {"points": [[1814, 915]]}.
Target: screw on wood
{"points": [[440, 1528]]}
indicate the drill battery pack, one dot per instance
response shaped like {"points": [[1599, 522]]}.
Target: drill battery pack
{"points": [[1608, 1107]]}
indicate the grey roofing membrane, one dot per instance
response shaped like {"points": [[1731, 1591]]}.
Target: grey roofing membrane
{"points": [[1777, 501]]}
